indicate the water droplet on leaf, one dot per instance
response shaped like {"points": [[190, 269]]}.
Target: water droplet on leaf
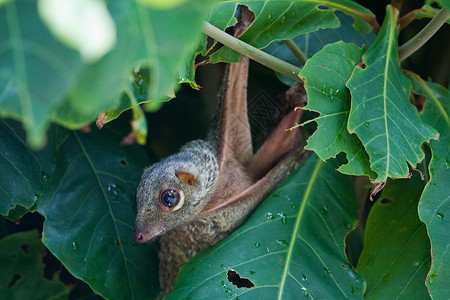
{"points": [[346, 224], [114, 191], [283, 218], [440, 215], [75, 246], [325, 210], [305, 292], [304, 278], [257, 244], [282, 243], [270, 216]]}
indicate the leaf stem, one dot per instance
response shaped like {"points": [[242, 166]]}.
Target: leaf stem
{"points": [[263, 58], [296, 51], [424, 35]]}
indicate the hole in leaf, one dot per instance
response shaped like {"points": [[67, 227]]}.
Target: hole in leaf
{"points": [[322, 7], [239, 281], [25, 247], [117, 242], [123, 162], [362, 65], [13, 280], [344, 266], [386, 201], [417, 100]]}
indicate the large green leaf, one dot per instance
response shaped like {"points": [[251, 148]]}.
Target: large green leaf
{"points": [[434, 206], [314, 41], [277, 20], [75, 92], [291, 247], [381, 115], [21, 175], [22, 275], [88, 202], [396, 254], [325, 76], [89, 210]]}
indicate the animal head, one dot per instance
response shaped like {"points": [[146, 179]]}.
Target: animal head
{"points": [[173, 191]]}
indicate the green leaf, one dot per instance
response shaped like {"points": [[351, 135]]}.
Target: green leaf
{"points": [[88, 202], [312, 42], [22, 275], [89, 210], [21, 176], [291, 247], [434, 206], [74, 92], [279, 20], [396, 254], [325, 75], [381, 115]]}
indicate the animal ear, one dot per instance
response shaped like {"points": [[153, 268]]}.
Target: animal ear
{"points": [[186, 177]]}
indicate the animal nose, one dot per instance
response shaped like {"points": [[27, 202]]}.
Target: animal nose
{"points": [[138, 236]]}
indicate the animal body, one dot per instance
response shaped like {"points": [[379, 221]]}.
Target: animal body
{"points": [[197, 197]]}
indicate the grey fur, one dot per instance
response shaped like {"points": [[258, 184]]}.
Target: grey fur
{"points": [[196, 157]]}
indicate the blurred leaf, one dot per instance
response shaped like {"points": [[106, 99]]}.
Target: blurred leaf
{"points": [[325, 76], [22, 275], [75, 93], [280, 20], [89, 210], [291, 247], [434, 206], [161, 4], [396, 254], [72, 22], [444, 3], [21, 176], [136, 94], [393, 133], [32, 59], [139, 128]]}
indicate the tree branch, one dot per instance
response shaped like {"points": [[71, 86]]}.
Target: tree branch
{"points": [[424, 35], [263, 58]]}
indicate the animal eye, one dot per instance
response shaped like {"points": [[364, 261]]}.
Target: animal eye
{"points": [[169, 198]]}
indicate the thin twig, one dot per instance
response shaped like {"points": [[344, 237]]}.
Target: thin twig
{"points": [[296, 51], [263, 58], [424, 35]]}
